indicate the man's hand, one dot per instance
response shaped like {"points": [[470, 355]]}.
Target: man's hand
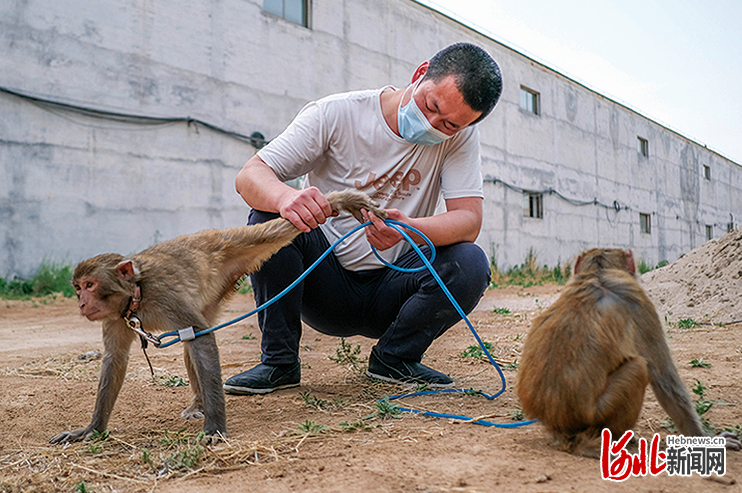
{"points": [[306, 209], [381, 236], [461, 222]]}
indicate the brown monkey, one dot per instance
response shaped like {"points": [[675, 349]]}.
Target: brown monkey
{"points": [[589, 357], [183, 282]]}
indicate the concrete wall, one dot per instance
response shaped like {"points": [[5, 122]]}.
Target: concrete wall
{"points": [[73, 185]]}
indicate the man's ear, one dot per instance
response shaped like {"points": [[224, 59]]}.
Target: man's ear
{"points": [[420, 71]]}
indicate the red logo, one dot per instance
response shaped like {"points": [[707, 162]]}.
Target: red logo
{"points": [[616, 464]]}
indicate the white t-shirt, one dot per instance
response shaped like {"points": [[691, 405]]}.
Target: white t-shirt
{"points": [[342, 141]]}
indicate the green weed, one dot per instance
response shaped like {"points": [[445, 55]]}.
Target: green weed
{"points": [[49, 279], [147, 458], [99, 436], [175, 381], [517, 414], [699, 363], [501, 311], [386, 410], [687, 323], [184, 459], [94, 449], [179, 439], [313, 401], [643, 267], [243, 285], [529, 273], [312, 427], [358, 425], [81, 487], [346, 354], [475, 351]]}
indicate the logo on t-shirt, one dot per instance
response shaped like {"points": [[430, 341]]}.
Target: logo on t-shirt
{"points": [[398, 180]]}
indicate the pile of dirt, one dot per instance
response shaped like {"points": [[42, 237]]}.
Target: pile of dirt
{"points": [[704, 284]]}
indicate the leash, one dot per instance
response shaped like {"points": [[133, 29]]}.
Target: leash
{"points": [[169, 338], [428, 265]]}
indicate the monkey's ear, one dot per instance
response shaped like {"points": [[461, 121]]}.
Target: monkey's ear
{"points": [[127, 270], [576, 268], [630, 266]]}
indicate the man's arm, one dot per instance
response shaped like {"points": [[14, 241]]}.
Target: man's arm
{"points": [[462, 221], [261, 189]]}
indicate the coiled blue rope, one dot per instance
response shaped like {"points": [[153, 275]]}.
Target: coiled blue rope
{"points": [[428, 264]]}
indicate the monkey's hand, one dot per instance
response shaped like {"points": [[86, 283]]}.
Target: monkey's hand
{"points": [[732, 439], [73, 436]]}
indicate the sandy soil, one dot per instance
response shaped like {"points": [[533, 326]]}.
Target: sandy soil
{"points": [[45, 388]]}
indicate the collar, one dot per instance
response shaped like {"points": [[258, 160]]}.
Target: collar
{"points": [[134, 301]]}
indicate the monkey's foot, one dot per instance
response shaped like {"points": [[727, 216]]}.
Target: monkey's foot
{"points": [[262, 379], [192, 412]]}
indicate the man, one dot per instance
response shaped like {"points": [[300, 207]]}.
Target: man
{"points": [[405, 148]]}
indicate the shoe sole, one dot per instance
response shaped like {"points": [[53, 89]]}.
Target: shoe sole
{"points": [[408, 382], [230, 389]]}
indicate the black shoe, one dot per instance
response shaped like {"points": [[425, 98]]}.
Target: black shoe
{"points": [[406, 372], [263, 379]]}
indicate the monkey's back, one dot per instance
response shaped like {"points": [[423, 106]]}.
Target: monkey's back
{"points": [[574, 346]]}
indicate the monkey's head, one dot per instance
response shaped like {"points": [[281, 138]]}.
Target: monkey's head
{"points": [[598, 259], [104, 285]]}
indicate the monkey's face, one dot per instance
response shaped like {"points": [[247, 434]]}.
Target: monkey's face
{"points": [[94, 304]]}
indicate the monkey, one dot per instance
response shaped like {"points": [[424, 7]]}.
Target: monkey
{"points": [[179, 283], [588, 358]]}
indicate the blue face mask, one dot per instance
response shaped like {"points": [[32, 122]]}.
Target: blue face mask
{"points": [[414, 127]]}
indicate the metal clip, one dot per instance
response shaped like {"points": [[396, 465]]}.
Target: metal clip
{"points": [[136, 325], [187, 334]]}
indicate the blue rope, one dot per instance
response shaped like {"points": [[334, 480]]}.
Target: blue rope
{"points": [[428, 264]]}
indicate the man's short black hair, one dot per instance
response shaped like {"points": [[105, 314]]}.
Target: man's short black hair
{"points": [[477, 75]]}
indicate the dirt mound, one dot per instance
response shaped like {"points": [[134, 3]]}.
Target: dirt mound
{"points": [[704, 284]]}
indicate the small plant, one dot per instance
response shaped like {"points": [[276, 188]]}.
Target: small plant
{"points": [[643, 268], [249, 337], [49, 279], [699, 363], [81, 487], [358, 425], [422, 387], [184, 459], [687, 323], [175, 381], [99, 436], [518, 337], [385, 409], [312, 427], [178, 439], [313, 401], [147, 458], [94, 449], [669, 425], [346, 354], [473, 392], [501, 311], [702, 405], [529, 273], [511, 366], [517, 414], [243, 285], [475, 351]]}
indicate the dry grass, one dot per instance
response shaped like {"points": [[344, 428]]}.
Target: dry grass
{"points": [[136, 463]]}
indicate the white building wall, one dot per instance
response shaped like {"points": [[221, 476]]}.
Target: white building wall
{"points": [[75, 185]]}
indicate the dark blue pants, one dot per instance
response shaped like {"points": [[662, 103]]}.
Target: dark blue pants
{"points": [[404, 311]]}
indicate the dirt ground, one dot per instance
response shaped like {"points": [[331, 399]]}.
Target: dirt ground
{"points": [[45, 388]]}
